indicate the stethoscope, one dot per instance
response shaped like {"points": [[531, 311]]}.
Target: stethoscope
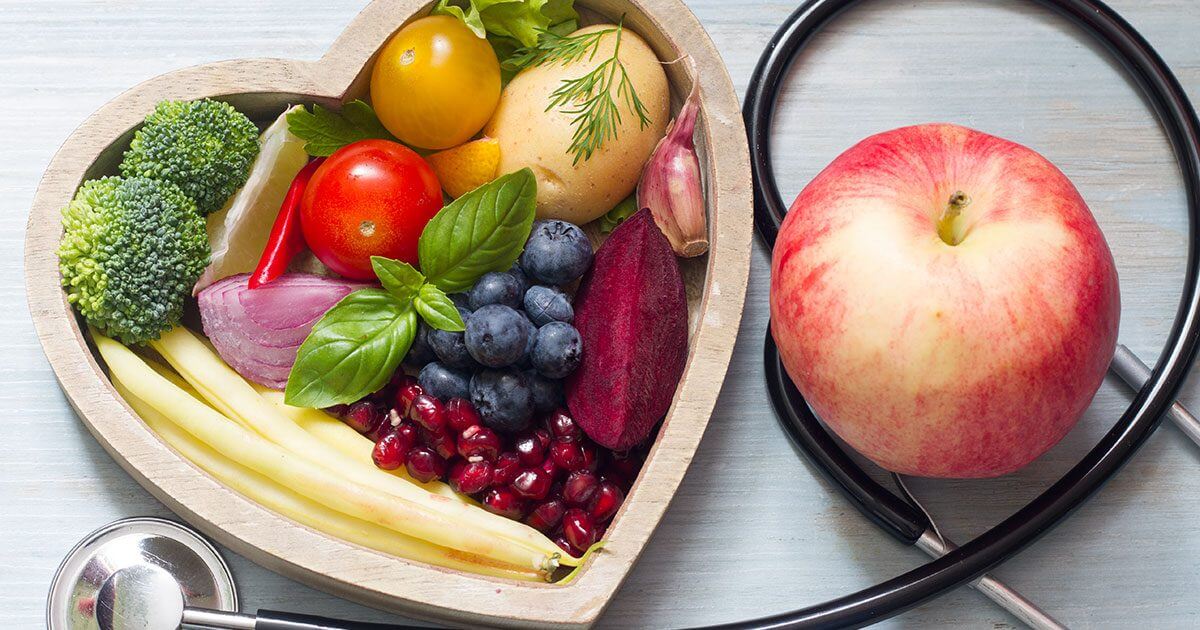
{"points": [[139, 567], [900, 516]]}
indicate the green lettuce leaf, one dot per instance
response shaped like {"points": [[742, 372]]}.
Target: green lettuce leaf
{"points": [[519, 20]]}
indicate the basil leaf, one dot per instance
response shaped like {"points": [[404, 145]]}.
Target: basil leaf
{"points": [[437, 310], [352, 351], [481, 231], [325, 131], [398, 277], [359, 114]]}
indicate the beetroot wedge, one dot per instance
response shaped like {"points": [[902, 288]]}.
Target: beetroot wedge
{"points": [[631, 311]]}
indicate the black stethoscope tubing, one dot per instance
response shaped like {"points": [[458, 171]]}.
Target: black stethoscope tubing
{"points": [[895, 515]]}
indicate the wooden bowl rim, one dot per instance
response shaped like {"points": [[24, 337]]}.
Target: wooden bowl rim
{"points": [[346, 570]]}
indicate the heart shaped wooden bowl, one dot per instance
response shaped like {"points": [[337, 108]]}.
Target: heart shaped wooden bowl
{"points": [[262, 88]]}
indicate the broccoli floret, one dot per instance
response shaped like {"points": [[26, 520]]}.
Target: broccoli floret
{"points": [[131, 253], [205, 147]]}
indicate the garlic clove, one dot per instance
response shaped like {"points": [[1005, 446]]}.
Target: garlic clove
{"points": [[671, 185]]}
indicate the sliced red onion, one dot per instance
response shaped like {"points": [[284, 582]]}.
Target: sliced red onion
{"points": [[258, 332]]}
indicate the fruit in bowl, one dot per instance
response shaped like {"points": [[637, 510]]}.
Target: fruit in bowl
{"points": [[472, 296], [309, 492], [945, 301]]}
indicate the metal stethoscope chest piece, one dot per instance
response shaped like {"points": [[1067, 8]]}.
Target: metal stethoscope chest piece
{"points": [[153, 574], [900, 516]]}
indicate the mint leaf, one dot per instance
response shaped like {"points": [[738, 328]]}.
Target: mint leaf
{"points": [[398, 277], [481, 231], [352, 351], [325, 131], [438, 310]]}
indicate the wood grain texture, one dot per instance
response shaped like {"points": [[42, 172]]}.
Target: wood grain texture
{"points": [[262, 89], [752, 530]]}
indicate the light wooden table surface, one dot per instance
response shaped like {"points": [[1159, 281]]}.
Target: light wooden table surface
{"points": [[753, 530]]}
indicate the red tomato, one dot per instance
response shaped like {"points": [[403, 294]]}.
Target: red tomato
{"points": [[370, 198]]}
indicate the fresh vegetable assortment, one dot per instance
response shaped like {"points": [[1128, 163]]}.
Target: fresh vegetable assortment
{"points": [[409, 340]]}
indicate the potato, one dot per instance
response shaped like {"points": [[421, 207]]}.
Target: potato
{"points": [[531, 136]]}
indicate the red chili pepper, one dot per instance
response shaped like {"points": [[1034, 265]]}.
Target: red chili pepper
{"points": [[286, 239]]}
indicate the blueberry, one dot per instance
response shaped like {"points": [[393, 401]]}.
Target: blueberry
{"points": [[531, 331], [547, 392], [518, 273], [420, 353], [546, 304], [557, 351], [443, 382], [450, 347], [461, 300], [557, 252], [503, 399], [496, 288], [496, 335]]}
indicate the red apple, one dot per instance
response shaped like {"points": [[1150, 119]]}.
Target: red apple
{"points": [[945, 301]]}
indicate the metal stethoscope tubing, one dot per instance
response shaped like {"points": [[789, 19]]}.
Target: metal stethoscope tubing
{"points": [[898, 517]]}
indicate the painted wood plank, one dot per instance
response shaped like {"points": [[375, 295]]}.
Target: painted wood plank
{"points": [[752, 531]]}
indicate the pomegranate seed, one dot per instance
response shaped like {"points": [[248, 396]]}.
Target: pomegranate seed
{"points": [[380, 430], [532, 483], [529, 450], [470, 477], [627, 464], [605, 501], [427, 412], [363, 416], [562, 426], [579, 487], [440, 441], [543, 437], [591, 459], [567, 455], [400, 380], [551, 468], [579, 529], [460, 414], [506, 469], [561, 541], [424, 464], [505, 502], [337, 410], [617, 479], [479, 441], [405, 396], [408, 429], [391, 449], [546, 515]]}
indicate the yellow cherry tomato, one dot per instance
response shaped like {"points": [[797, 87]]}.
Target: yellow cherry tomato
{"points": [[435, 83]]}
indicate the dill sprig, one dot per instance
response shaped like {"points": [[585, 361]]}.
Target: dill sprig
{"points": [[554, 48], [588, 100]]}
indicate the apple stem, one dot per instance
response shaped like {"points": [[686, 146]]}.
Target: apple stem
{"points": [[949, 218]]}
